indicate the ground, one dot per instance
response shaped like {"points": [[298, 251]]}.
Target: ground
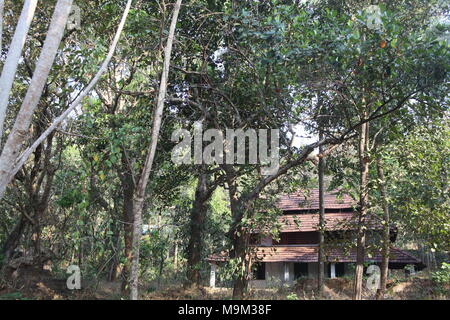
{"points": [[32, 283]]}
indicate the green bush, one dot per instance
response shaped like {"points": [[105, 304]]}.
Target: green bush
{"points": [[292, 296], [442, 276]]}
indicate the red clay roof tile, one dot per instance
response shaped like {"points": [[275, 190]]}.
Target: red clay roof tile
{"points": [[309, 200], [310, 254], [333, 221]]}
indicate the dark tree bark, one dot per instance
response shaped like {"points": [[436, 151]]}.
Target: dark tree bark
{"points": [[198, 215], [127, 181], [113, 269], [37, 183], [238, 235], [13, 239], [240, 251]]}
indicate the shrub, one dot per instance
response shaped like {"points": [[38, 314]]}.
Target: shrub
{"points": [[292, 296], [442, 276]]}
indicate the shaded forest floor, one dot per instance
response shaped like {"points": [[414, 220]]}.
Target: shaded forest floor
{"points": [[414, 288], [35, 284]]}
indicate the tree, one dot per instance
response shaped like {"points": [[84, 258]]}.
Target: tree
{"points": [[10, 160], [386, 229], [14, 53], [139, 195], [321, 254]]}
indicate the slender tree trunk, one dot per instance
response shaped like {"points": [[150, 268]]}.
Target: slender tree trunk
{"points": [[321, 256], [14, 53], [175, 256], [138, 201], [19, 131], [363, 207], [113, 269], [195, 246], [10, 161], [38, 81], [2, 10], [386, 235]]}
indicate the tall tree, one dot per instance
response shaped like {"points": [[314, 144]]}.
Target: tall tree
{"points": [[363, 154], [10, 159], [386, 229], [139, 196], [321, 255], [14, 53]]}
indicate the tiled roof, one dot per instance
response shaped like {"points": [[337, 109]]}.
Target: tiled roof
{"points": [[287, 253], [310, 254], [333, 221], [309, 200]]}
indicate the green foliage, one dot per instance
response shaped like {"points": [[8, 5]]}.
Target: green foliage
{"points": [[442, 276], [292, 296], [418, 165], [281, 59]]}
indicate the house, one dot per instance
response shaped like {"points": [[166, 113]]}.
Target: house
{"points": [[295, 253]]}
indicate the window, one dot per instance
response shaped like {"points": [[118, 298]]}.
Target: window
{"points": [[300, 270], [339, 270], [260, 271], [292, 238]]}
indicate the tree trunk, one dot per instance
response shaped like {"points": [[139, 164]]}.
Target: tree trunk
{"points": [[114, 265], [138, 200], [37, 200], [238, 235], [14, 53], [126, 177], [2, 10], [175, 256], [10, 161], [13, 239], [22, 123], [363, 207], [386, 235], [321, 256], [195, 246], [239, 252]]}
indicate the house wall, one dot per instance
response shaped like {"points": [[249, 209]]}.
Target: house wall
{"points": [[287, 238], [313, 269], [275, 275], [267, 241], [275, 272]]}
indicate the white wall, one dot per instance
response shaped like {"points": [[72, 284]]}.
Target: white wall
{"points": [[275, 274]]}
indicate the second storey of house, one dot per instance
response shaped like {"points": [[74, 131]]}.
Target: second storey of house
{"points": [[300, 220]]}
